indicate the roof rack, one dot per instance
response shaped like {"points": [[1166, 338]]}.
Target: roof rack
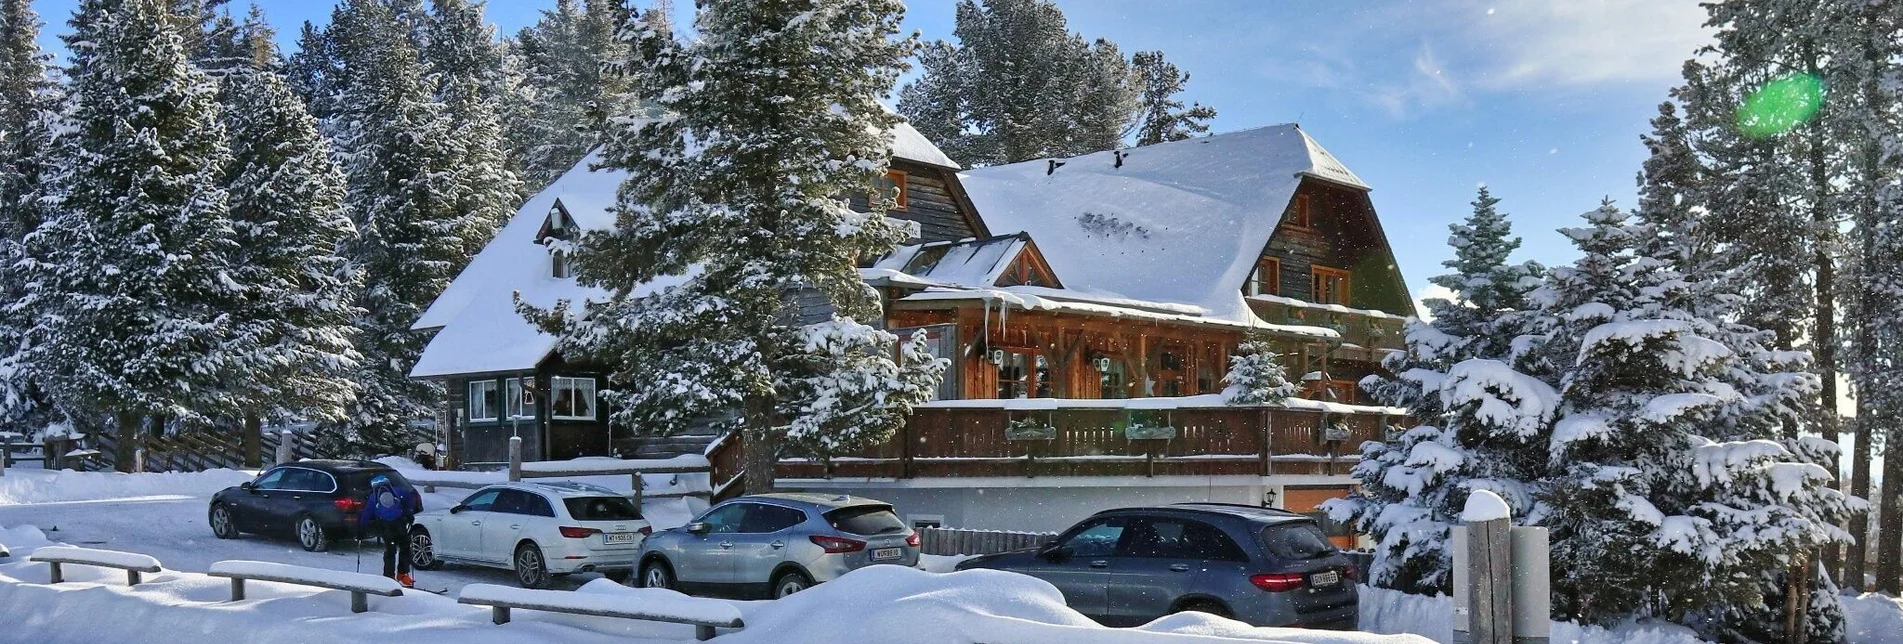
{"points": [[1259, 508]]}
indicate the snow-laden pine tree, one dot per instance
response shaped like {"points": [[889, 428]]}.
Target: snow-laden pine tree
{"points": [[29, 105], [1667, 496], [291, 338], [414, 232], [769, 117], [1483, 421], [1876, 368], [1161, 116], [1256, 375], [465, 62], [1019, 85], [312, 71], [127, 277], [574, 75]]}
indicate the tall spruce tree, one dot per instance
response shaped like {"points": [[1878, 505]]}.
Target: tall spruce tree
{"points": [[1483, 421], [414, 232], [292, 333], [1019, 85], [126, 277], [466, 63], [1667, 495], [771, 115], [1162, 116], [575, 77], [29, 105]]}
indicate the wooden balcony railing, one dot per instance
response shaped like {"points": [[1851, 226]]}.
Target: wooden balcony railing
{"points": [[964, 440]]}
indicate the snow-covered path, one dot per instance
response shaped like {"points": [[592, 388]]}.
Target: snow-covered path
{"points": [[172, 527]]}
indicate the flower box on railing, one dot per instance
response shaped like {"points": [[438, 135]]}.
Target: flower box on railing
{"points": [[1147, 424], [1030, 429]]}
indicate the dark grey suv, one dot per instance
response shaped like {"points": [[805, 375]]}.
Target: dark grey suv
{"points": [[1127, 567]]}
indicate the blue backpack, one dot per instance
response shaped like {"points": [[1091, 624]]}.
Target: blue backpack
{"points": [[387, 502]]}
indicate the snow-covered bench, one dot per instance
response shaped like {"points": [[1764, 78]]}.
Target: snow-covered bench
{"points": [[704, 614], [56, 556], [359, 585]]}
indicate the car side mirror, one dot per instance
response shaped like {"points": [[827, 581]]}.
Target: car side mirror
{"points": [[697, 527], [1055, 553], [457, 508], [248, 486]]}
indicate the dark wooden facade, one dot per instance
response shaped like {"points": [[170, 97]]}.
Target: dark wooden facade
{"points": [[935, 200], [544, 436]]}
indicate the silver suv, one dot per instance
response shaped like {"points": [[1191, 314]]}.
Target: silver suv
{"points": [[1127, 567], [775, 545]]}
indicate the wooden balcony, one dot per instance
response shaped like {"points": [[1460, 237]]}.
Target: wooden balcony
{"points": [[1111, 438]]}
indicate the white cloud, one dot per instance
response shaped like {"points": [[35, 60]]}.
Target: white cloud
{"points": [[1432, 291], [1533, 43], [1428, 85]]}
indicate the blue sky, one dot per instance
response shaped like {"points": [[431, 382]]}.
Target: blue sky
{"points": [[1542, 101]]}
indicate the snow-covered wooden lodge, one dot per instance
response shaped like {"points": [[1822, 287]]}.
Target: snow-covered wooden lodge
{"points": [[1088, 306]]}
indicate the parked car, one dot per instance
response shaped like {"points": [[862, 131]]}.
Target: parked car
{"points": [[315, 501], [538, 530], [1127, 567], [774, 545]]}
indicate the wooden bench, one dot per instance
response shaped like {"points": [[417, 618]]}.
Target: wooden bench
{"points": [[56, 556], [704, 614], [359, 585]]}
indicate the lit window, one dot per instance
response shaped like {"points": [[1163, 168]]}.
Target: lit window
{"points": [[521, 398], [892, 186], [1023, 375], [571, 398], [1328, 285], [483, 403], [1267, 278], [1298, 215], [1110, 378]]}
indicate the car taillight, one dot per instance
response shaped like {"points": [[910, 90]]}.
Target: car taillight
{"points": [[837, 545], [573, 532], [647, 531], [912, 540], [348, 505], [1348, 573], [1278, 582]]}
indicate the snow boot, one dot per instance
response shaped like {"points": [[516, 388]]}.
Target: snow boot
{"points": [[406, 580]]}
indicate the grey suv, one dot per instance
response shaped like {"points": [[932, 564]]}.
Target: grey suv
{"points": [[1127, 567], [775, 545]]}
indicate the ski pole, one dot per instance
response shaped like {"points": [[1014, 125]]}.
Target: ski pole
{"points": [[360, 551]]}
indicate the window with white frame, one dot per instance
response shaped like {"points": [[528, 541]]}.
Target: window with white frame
{"points": [[483, 401], [571, 398], [521, 398]]}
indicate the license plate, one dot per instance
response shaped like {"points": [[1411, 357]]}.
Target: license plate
{"points": [[886, 554], [621, 537], [1329, 578]]}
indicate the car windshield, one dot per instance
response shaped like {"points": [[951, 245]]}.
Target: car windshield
{"points": [[868, 519], [1299, 541], [601, 508]]}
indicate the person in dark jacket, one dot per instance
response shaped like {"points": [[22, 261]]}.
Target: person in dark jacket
{"points": [[387, 514]]}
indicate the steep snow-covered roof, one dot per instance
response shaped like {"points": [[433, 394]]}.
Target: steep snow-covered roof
{"points": [[1179, 222], [908, 144], [479, 329]]}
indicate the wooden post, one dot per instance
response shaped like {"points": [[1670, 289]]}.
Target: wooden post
{"points": [[253, 441], [285, 444], [54, 574], [1532, 585], [1267, 448], [639, 490], [499, 614], [703, 632], [1489, 579], [359, 602], [138, 460], [132, 577], [515, 458], [237, 589]]}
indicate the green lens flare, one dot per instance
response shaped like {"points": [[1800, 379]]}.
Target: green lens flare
{"points": [[1780, 105]]}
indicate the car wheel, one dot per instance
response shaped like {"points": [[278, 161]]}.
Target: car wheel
{"points": [[790, 582], [222, 523], [531, 570], [1204, 606], [310, 534], [657, 574], [423, 550]]}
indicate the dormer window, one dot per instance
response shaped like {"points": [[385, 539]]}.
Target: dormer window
{"points": [[558, 225], [892, 186], [559, 263], [1298, 213]]}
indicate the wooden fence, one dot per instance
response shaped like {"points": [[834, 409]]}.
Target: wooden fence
{"points": [[205, 449], [954, 541]]}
